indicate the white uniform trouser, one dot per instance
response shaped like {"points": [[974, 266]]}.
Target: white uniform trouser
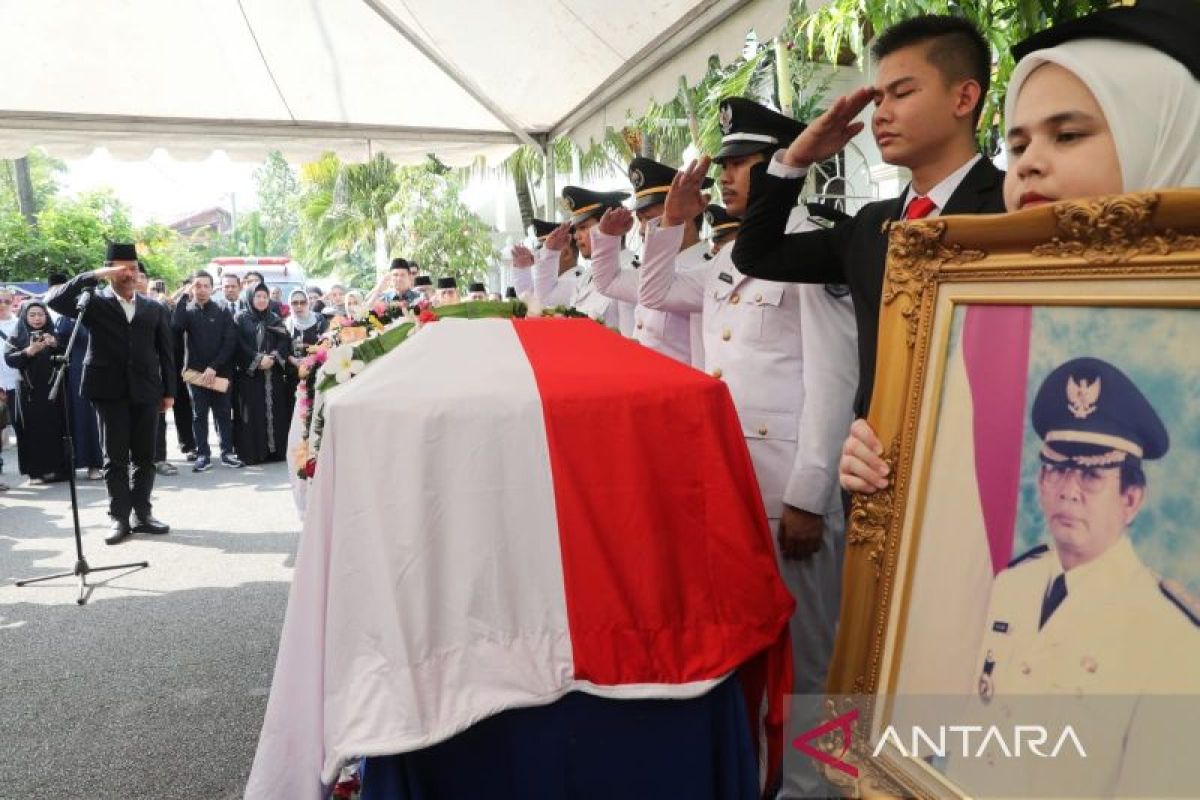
{"points": [[816, 585]]}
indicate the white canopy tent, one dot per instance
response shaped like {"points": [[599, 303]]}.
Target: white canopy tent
{"points": [[459, 78]]}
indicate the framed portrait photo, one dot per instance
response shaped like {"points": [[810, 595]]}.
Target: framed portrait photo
{"points": [[1030, 573]]}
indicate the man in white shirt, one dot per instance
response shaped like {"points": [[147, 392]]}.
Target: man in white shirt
{"points": [[668, 332], [787, 353]]}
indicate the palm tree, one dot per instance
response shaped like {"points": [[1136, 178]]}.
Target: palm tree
{"points": [[345, 207]]}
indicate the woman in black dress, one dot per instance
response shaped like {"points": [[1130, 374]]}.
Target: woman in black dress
{"points": [[262, 414], [38, 421]]}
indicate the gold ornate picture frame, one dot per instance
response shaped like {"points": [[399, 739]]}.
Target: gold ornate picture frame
{"points": [[1134, 256]]}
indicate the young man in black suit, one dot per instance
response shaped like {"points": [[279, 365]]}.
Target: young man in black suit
{"points": [[129, 375], [933, 74]]}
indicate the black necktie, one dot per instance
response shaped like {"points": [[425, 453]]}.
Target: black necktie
{"points": [[1053, 598]]}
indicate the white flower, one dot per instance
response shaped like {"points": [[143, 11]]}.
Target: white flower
{"points": [[342, 364], [533, 306]]}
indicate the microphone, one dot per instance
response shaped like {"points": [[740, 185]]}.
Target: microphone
{"points": [[84, 298]]}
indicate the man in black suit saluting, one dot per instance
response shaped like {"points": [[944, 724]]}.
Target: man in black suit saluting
{"points": [[932, 78], [129, 375]]}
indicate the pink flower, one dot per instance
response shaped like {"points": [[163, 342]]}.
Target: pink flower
{"points": [[320, 356], [380, 308], [310, 468]]}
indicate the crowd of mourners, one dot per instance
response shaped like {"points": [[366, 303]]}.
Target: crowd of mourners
{"points": [[237, 346]]}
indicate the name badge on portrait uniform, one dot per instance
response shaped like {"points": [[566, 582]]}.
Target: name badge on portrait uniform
{"points": [[986, 687], [726, 277]]}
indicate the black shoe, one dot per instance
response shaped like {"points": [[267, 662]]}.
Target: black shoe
{"points": [[203, 464], [120, 532], [148, 524], [230, 460], [190, 455]]}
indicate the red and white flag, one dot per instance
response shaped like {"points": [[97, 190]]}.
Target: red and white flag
{"points": [[505, 511]]}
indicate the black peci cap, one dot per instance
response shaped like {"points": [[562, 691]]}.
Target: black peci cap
{"points": [[476, 286], [399, 263], [120, 251], [422, 280], [447, 283]]}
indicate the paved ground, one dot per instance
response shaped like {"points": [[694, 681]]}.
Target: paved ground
{"points": [[157, 687]]}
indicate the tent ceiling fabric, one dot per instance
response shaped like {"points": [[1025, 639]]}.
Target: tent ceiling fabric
{"points": [[305, 76]]}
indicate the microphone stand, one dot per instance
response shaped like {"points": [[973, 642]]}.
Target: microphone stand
{"points": [[82, 568]]}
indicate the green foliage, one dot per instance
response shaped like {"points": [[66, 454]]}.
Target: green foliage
{"points": [[44, 173], [71, 236], [277, 220], [433, 226], [355, 217]]}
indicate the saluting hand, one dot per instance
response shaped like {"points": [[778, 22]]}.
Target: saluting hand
{"points": [[861, 469], [108, 273], [558, 238], [522, 257], [686, 200], [831, 131], [616, 221]]}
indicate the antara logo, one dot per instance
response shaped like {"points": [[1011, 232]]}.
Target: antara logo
{"points": [[844, 723], [991, 741]]}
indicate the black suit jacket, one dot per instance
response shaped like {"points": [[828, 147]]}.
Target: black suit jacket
{"points": [[125, 360], [853, 252]]}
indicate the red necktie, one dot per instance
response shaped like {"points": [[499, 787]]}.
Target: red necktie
{"points": [[919, 208]]}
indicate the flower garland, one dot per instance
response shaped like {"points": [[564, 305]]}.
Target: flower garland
{"points": [[354, 344]]}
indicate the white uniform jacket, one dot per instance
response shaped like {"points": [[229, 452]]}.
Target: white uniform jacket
{"points": [[577, 288], [789, 354], [1116, 634], [667, 332]]}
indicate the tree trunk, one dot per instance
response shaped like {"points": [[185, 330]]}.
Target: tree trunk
{"points": [[783, 79], [25, 201], [381, 252], [690, 107], [524, 199]]}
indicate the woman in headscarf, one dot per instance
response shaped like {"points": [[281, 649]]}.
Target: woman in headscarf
{"points": [[305, 327], [38, 421], [1104, 104], [263, 410]]}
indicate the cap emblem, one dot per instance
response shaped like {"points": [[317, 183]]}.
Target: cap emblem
{"points": [[1082, 396], [637, 178], [726, 119]]}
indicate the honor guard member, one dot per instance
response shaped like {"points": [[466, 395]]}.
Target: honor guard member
{"points": [[1082, 615], [568, 261], [129, 375], [787, 352], [586, 207], [667, 332], [447, 292], [722, 228], [476, 291]]}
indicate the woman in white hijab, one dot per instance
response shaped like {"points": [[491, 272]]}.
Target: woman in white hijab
{"points": [[1089, 116], [1105, 104]]}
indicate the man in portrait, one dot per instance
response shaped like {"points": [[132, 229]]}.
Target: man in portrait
{"points": [[1081, 615]]}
